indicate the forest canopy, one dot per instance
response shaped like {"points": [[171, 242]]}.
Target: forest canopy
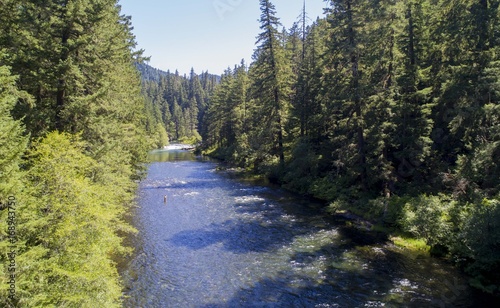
{"points": [[74, 136], [388, 109]]}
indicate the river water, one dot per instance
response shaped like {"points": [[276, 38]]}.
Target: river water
{"points": [[223, 242]]}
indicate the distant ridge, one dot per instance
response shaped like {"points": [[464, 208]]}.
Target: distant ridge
{"points": [[149, 73]]}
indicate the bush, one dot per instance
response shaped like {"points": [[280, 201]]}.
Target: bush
{"points": [[161, 136], [325, 189], [241, 154], [481, 245], [428, 217], [68, 219], [196, 138]]}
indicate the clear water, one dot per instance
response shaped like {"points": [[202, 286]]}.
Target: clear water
{"points": [[220, 242]]}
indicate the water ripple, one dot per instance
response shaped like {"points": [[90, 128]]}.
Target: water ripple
{"points": [[218, 242]]}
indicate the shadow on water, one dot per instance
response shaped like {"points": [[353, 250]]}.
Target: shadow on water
{"points": [[260, 224], [354, 268], [363, 271], [231, 244], [234, 236]]}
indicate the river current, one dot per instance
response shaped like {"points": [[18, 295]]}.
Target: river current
{"points": [[208, 240]]}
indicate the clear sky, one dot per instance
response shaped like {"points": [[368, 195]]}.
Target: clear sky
{"points": [[205, 34]]}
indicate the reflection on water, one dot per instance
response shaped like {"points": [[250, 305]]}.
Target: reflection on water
{"points": [[170, 155], [218, 242]]}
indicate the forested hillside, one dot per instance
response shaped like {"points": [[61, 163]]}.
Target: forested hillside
{"points": [[384, 108], [73, 138], [177, 104], [388, 109]]}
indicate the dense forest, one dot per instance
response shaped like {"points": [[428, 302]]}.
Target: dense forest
{"points": [[176, 103], [74, 134], [388, 109]]}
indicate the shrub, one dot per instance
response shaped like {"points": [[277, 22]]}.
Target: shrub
{"points": [[481, 245], [428, 217]]}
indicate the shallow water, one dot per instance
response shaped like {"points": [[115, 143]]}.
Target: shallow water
{"points": [[220, 242]]}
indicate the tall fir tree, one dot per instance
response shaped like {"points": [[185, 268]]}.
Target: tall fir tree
{"points": [[271, 73], [344, 89], [13, 142]]}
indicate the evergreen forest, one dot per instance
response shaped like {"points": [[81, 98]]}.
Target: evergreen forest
{"points": [[74, 135], [176, 104], [387, 109]]}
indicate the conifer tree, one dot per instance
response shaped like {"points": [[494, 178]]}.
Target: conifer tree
{"points": [[345, 89], [311, 110], [67, 229], [75, 59], [413, 102], [13, 143], [271, 74]]}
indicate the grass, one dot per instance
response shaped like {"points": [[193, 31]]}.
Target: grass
{"points": [[405, 241], [412, 244]]}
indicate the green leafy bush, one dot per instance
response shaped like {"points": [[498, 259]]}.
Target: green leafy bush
{"points": [[68, 219], [428, 217], [480, 244]]}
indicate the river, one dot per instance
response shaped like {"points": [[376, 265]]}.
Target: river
{"points": [[222, 242]]}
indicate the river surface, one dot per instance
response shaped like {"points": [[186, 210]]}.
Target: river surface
{"points": [[223, 242]]}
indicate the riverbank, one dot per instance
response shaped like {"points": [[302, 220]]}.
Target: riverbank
{"points": [[428, 224], [353, 216]]}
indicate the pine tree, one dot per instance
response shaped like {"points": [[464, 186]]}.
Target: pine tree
{"points": [[413, 102], [67, 228], [13, 143], [475, 119], [345, 88], [311, 110], [271, 74], [75, 59], [177, 119]]}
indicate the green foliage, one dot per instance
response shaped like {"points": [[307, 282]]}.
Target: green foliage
{"points": [[228, 115], [388, 109], [480, 244], [467, 232], [302, 169], [79, 96], [193, 140], [67, 227], [12, 142], [177, 103], [428, 217], [13, 145], [417, 246], [325, 189], [162, 138], [271, 77], [481, 166]]}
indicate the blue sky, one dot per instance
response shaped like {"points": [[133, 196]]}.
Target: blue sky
{"points": [[204, 34]]}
